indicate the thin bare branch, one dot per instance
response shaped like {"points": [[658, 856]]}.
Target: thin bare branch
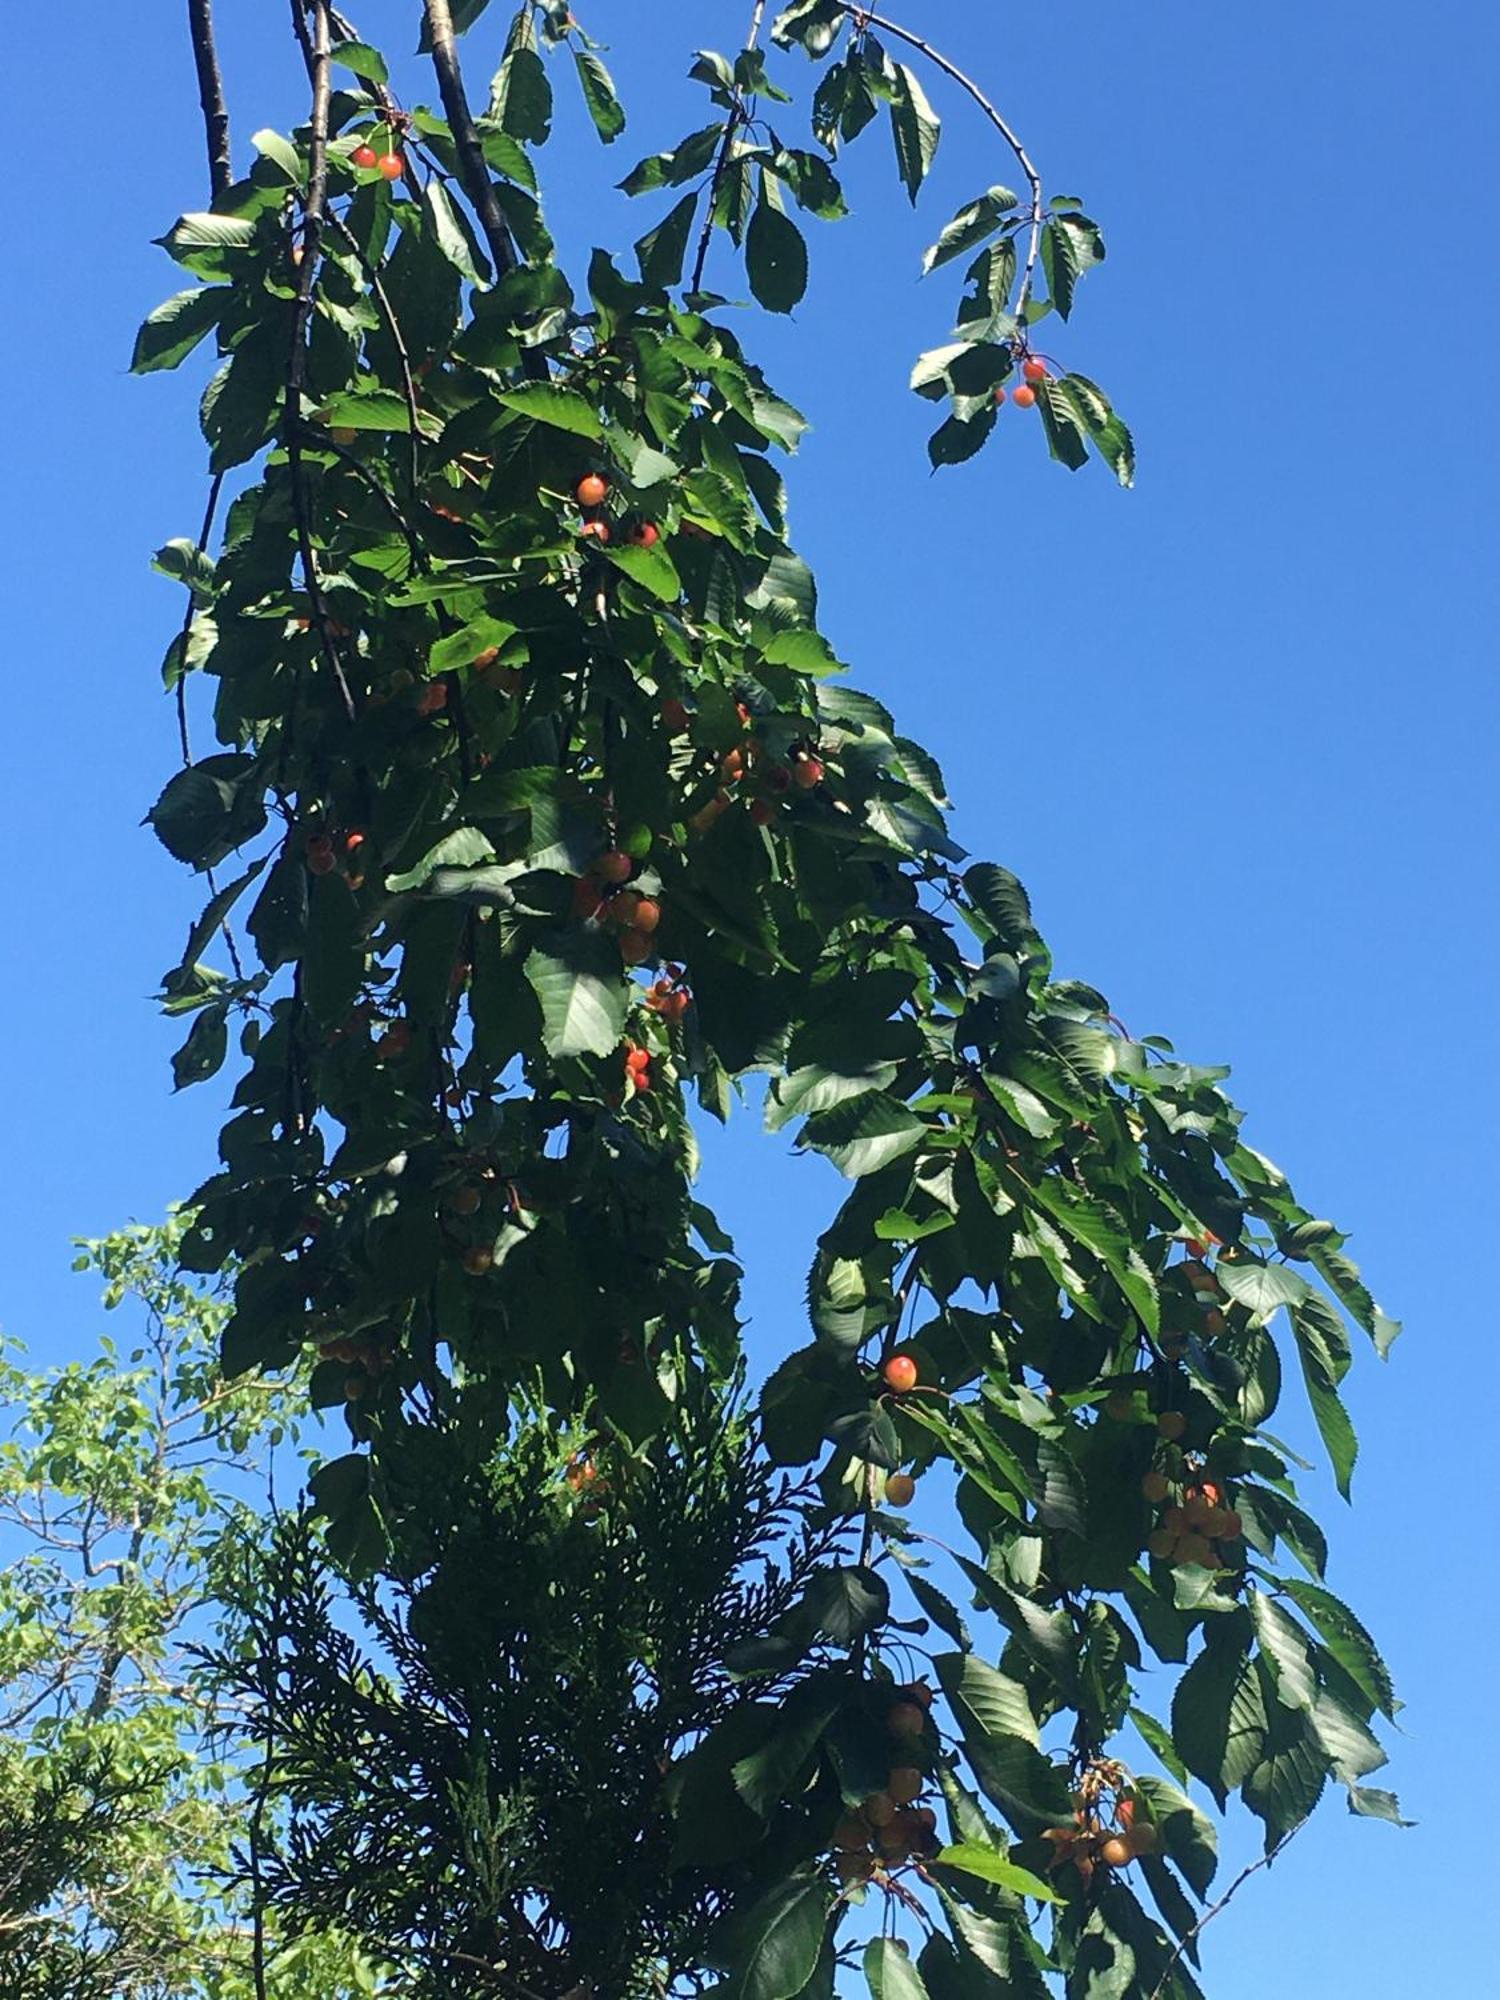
{"points": [[1214, 1908], [738, 116], [211, 96]]}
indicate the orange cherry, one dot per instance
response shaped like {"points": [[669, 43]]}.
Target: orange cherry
{"points": [[900, 1373], [592, 490]]}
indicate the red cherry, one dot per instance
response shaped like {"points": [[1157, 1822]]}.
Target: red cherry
{"points": [[674, 714], [365, 156], [396, 1040], [645, 535], [1034, 370], [1025, 397], [807, 772], [900, 1373], [762, 811], [587, 896], [433, 698], [999, 396], [591, 490], [354, 841], [635, 947], [614, 866], [597, 531], [646, 915], [392, 166]]}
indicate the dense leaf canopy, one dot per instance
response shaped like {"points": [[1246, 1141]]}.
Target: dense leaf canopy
{"points": [[554, 824]]}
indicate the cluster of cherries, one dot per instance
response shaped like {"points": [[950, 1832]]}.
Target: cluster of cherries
{"points": [[892, 1827], [601, 896], [1108, 1830], [1190, 1529], [638, 1069], [591, 492], [321, 855], [1033, 370], [669, 996], [367, 1357], [392, 165]]}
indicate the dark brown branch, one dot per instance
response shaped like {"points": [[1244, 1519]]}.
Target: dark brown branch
{"points": [[472, 166], [862, 19], [211, 96], [738, 116], [315, 48]]}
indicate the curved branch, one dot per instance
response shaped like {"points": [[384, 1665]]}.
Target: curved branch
{"points": [[862, 19], [211, 96]]}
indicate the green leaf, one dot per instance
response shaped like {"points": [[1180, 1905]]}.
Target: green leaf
{"points": [[1218, 1716], [865, 1135], [662, 251], [775, 259], [373, 410], [465, 847], [1048, 1636], [970, 227], [983, 1862], [203, 1053], [584, 996], [812, 1089], [451, 233], [1261, 1288], [846, 1603], [1319, 1347], [176, 327], [890, 1972], [1188, 1835], [766, 1776], [604, 106], [207, 231], [209, 809], [776, 1944], [653, 569], [1371, 1803], [562, 409], [1285, 1646], [460, 649], [281, 154], [999, 898], [521, 97], [1348, 1642], [915, 127], [362, 60]]}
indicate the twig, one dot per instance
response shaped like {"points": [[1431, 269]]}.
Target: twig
{"points": [[315, 48], [1213, 1910], [862, 19], [211, 96], [738, 116], [322, 442], [393, 328]]}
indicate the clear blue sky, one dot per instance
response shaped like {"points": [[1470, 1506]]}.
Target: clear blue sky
{"points": [[1235, 730]]}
